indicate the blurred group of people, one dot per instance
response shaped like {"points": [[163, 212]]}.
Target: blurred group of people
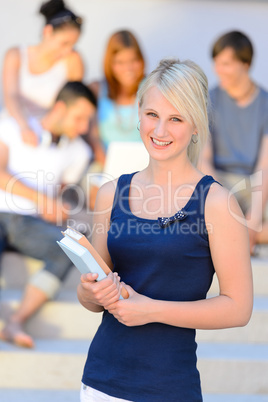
{"points": [[54, 127], [49, 126]]}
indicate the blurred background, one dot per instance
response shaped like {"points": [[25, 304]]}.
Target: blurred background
{"points": [[180, 28], [234, 362]]}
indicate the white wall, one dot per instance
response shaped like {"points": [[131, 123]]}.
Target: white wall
{"points": [[181, 28]]}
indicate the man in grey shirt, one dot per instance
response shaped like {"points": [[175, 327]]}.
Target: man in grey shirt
{"points": [[237, 154]]}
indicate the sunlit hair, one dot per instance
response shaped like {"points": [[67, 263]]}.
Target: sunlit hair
{"points": [[239, 42], [119, 41], [185, 86]]}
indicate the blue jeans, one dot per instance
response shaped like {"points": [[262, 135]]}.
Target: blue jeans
{"points": [[36, 238]]}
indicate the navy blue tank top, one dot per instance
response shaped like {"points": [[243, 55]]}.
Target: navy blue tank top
{"points": [[153, 362]]}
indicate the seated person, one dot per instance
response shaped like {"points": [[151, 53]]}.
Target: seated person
{"points": [[33, 75], [117, 115], [31, 209], [238, 152]]}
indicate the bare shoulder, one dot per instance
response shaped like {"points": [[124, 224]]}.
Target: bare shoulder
{"points": [[74, 57], [75, 66], [105, 196], [221, 205], [12, 55]]}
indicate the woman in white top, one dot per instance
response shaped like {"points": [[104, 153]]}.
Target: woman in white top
{"points": [[33, 76]]}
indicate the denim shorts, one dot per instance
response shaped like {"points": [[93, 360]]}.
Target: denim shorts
{"points": [[88, 394]]}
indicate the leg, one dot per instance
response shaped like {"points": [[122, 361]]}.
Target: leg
{"points": [[13, 331], [35, 238]]}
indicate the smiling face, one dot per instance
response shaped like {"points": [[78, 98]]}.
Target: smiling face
{"points": [[165, 133], [229, 68]]}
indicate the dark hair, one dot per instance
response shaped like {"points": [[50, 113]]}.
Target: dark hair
{"points": [[239, 42], [57, 15], [120, 40], [74, 90]]}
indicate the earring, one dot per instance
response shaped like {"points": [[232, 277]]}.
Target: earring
{"points": [[138, 125], [196, 140]]}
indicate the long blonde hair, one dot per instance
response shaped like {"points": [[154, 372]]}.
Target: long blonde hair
{"points": [[185, 86]]}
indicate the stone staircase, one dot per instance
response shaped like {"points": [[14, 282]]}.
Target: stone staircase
{"points": [[233, 363]]}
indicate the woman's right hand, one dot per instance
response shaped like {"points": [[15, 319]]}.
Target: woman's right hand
{"points": [[102, 293]]}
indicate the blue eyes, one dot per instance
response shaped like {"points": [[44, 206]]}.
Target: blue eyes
{"points": [[175, 119]]}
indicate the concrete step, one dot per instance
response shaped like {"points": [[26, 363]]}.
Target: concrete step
{"points": [[233, 368], [42, 395], [22, 395], [233, 398], [58, 364], [52, 365]]}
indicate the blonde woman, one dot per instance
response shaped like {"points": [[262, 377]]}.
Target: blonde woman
{"points": [[166, 231]]}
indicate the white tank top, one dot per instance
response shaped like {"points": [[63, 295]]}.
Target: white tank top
{"points": [[39, 91]]}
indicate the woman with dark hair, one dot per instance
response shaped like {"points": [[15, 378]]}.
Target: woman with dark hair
{"points": [[117, 105], [33, 75]]}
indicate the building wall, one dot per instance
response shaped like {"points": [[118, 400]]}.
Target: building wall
{"points": [[180, 28]]}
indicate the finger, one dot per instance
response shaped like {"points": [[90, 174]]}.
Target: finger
{"points": [[105, 295], [89, 277], [112, 308], [112, 301], [113, 305], [111, 292]]}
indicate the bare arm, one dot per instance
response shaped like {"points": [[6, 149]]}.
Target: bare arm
{"points": [[10, 86], [230, 254], [75, 67], [50, 209], [94, 295], [11, 94]]}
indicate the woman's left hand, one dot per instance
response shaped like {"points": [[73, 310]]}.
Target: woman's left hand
{"points": [[132, 311]]}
